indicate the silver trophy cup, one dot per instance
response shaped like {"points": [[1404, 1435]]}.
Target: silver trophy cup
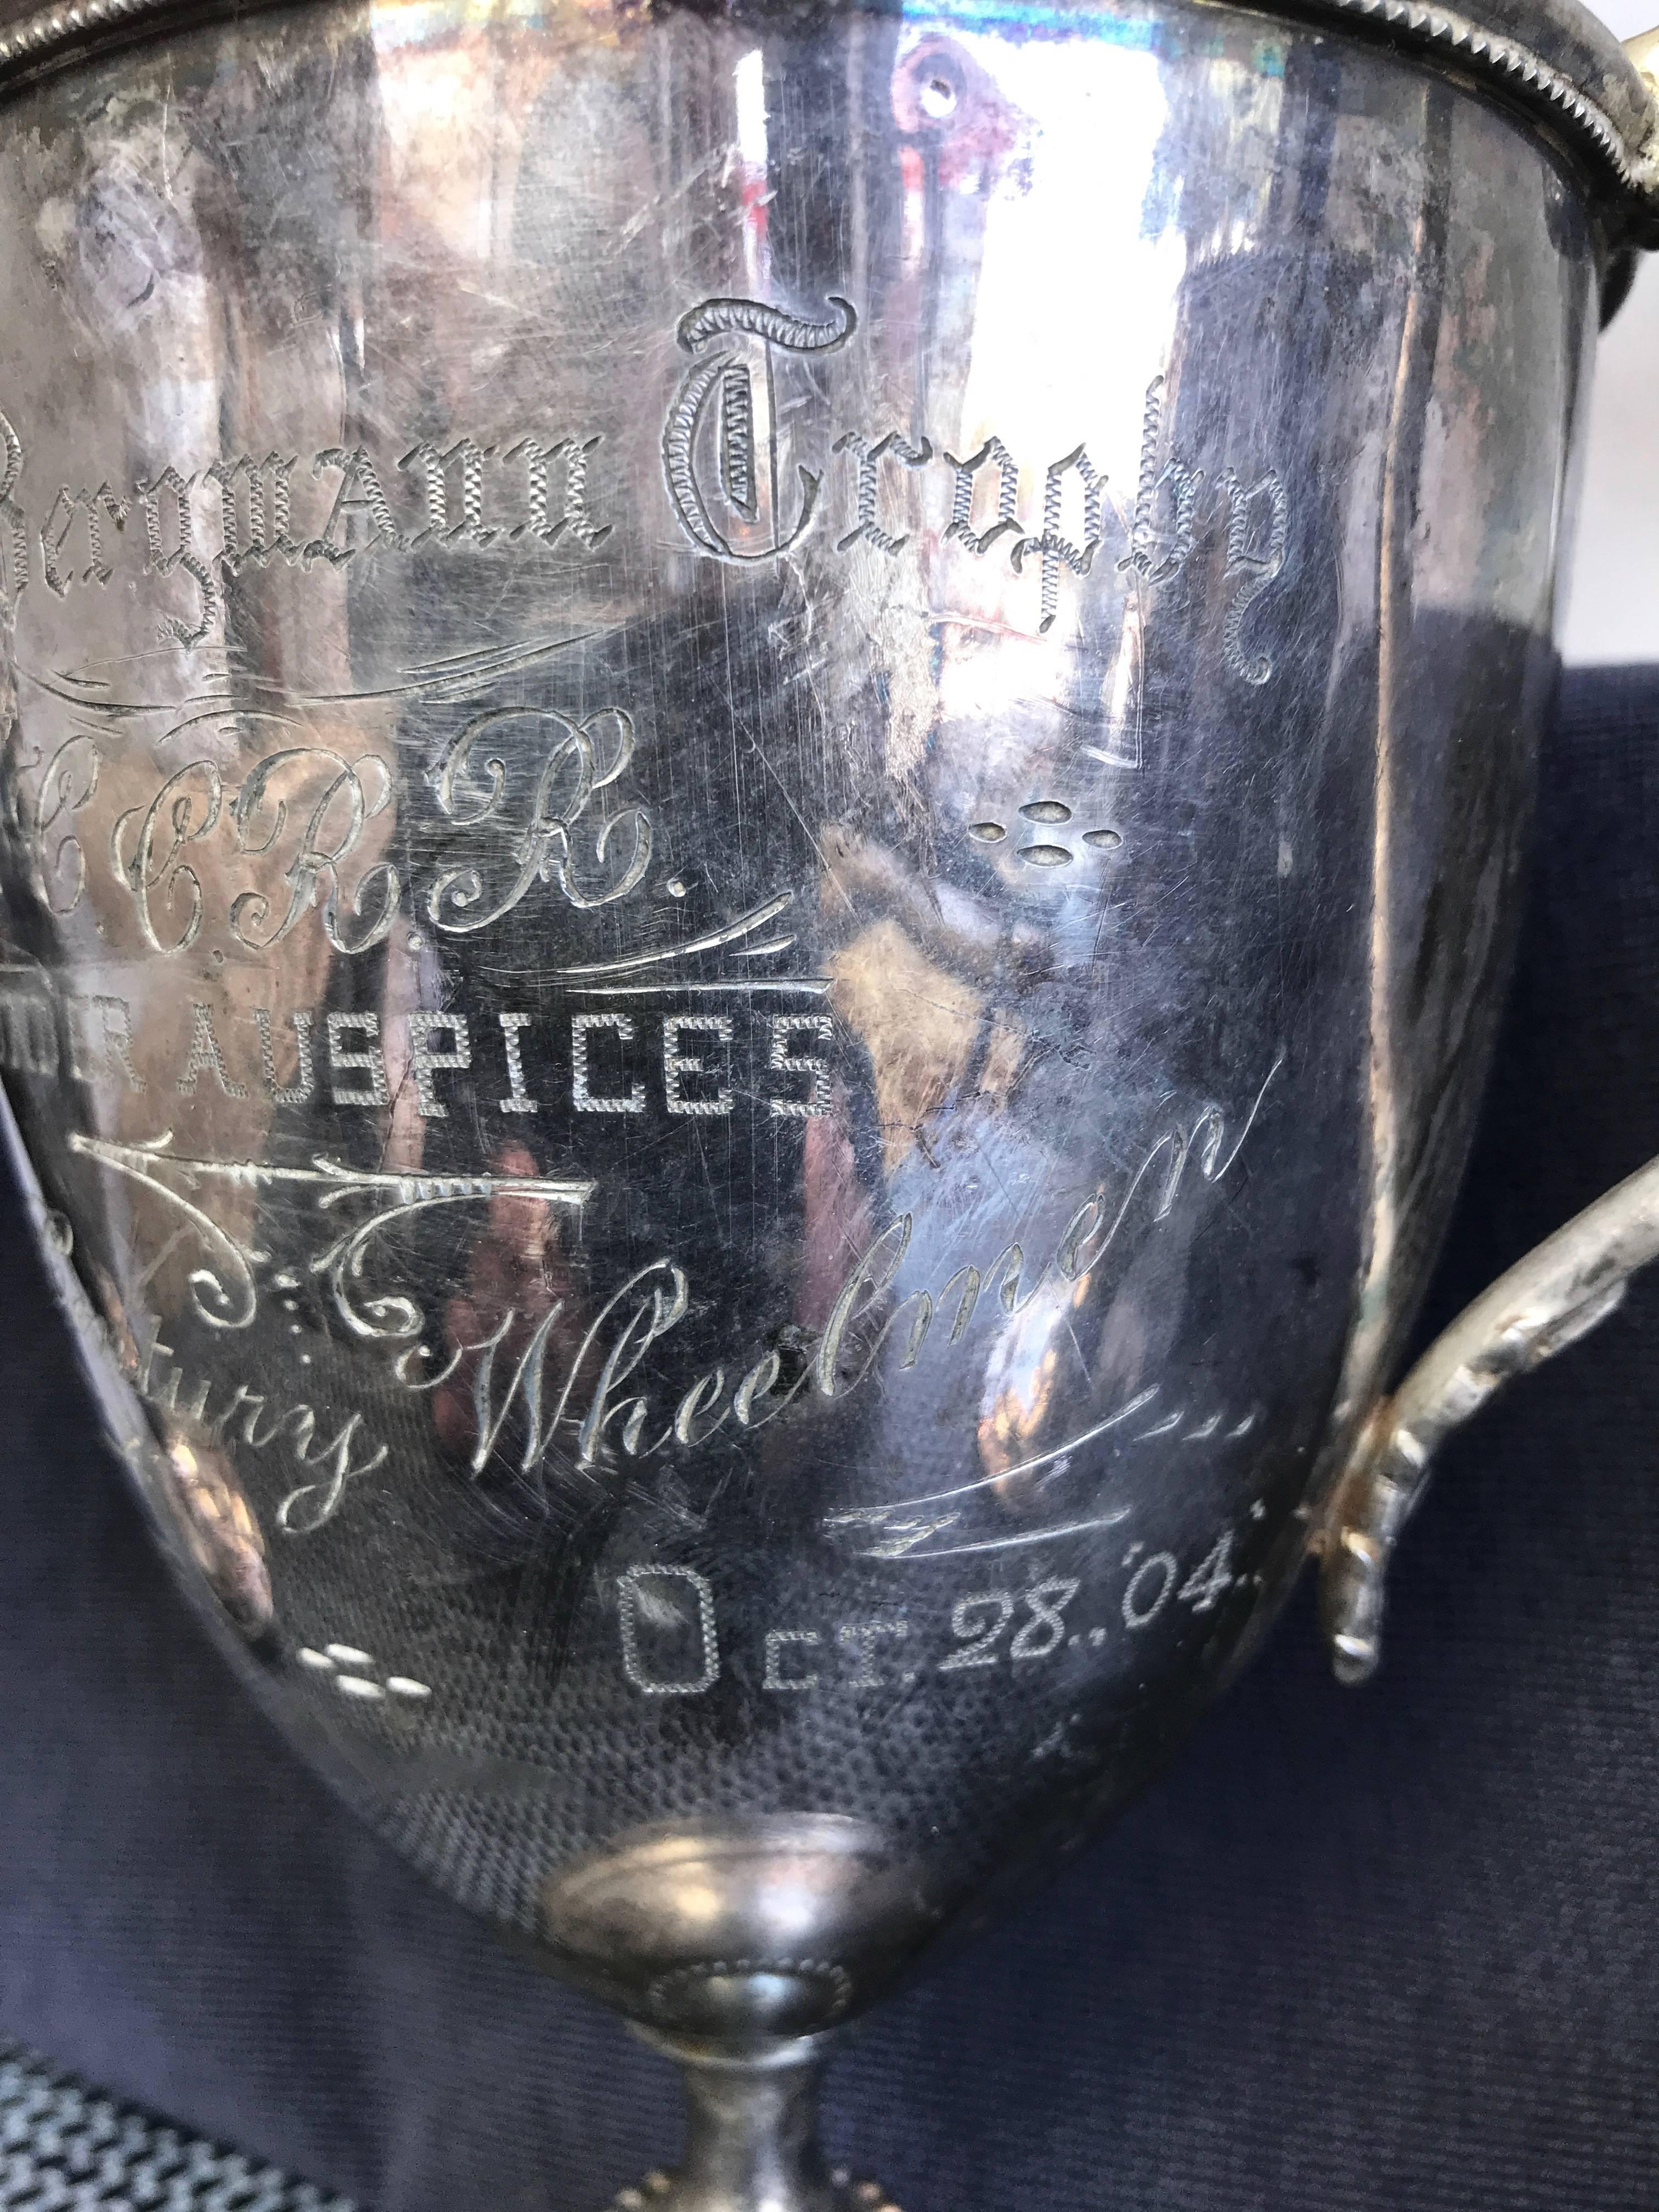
{"points": [[764, 773]]}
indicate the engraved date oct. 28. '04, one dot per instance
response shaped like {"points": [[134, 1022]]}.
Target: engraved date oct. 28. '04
{"points": [[671, 1644]]}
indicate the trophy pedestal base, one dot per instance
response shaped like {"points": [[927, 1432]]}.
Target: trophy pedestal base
{"points": [[660, 2191], [752, 2141]]}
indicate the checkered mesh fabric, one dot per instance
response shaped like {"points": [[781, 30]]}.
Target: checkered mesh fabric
{"points": [[65, 2149]]}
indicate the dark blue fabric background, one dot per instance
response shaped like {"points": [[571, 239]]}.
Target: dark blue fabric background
{"points": [[1394, 1948]]}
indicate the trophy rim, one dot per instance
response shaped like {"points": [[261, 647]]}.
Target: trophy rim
{"points": [[1552, 61]]}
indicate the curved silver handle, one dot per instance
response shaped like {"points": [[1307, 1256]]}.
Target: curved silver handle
{"points": [[1545, 1302]]}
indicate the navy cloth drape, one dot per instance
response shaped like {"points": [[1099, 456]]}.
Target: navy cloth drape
{"points": [[1387, 1951]]}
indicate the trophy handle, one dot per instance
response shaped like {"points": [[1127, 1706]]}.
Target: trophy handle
{"points": [[1558, 1293], [1547, 1301]]}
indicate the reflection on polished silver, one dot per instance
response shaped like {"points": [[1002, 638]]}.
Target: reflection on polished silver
{"points": [[764, 781]]}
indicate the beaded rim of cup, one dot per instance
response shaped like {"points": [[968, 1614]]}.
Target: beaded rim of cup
{"points": [[1632, 165], [1624, 161]]}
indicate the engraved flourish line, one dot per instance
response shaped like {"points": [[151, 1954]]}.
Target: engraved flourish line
{"points": [[214, 1302], [714, 318], [745, 925], [877, 1515], [895, 1549], [328, 1176], [439, 677], [395, 1317], [406, 1193], [807, 986]]}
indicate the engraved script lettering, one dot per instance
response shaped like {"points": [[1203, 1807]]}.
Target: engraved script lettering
{"points": [[744, 474], [577, 760], [349, 1454], [538, 786], [720, 449], [728, 490], [253, 501], [594, 1397]]}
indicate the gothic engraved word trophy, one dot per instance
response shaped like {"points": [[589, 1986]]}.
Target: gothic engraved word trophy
{"points": [[764, 769]]}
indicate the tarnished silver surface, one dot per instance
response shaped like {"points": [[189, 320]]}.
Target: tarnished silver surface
{"points": [[762, 806]]}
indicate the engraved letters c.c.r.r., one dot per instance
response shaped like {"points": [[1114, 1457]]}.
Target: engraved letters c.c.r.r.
{"points": [[309, 812]]}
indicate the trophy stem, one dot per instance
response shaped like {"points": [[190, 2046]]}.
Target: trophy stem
{"points": [[752, 2143]]}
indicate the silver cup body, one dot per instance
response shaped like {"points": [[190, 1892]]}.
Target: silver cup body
{"points": [[762, 806]]}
